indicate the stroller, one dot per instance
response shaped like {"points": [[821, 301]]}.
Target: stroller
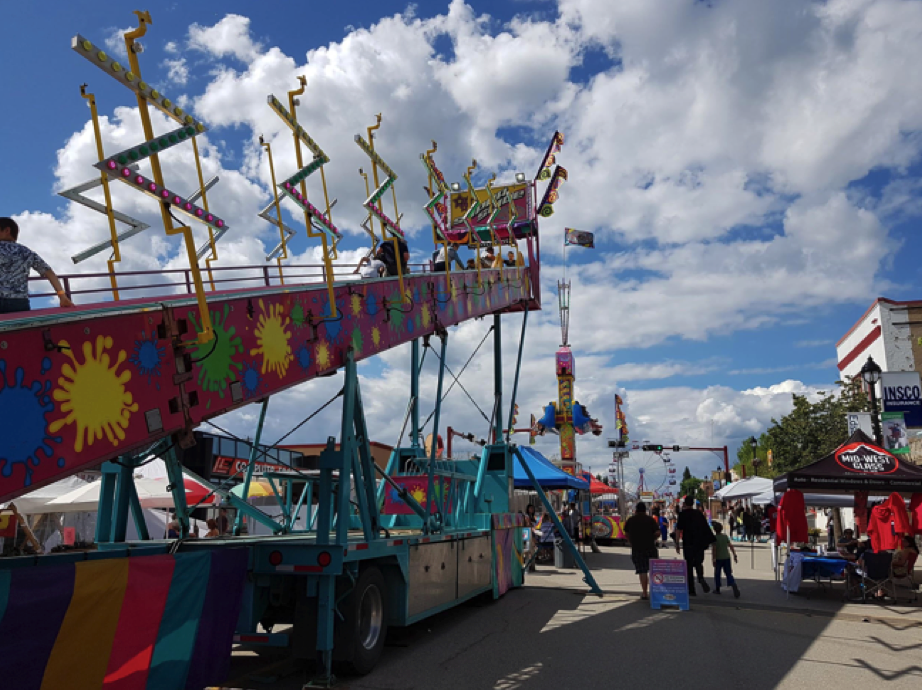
{"points": [[870, 578], [544, 541]]}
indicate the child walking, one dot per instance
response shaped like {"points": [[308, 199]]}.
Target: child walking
{"points": [[720, 557]]}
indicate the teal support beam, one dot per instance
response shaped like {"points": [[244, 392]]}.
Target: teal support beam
{"points": [[251, 463], [106, 502], [178, 488], [518, 369], [435, 434], [414, 394], [588, 579], [137, 513], [498, 377], [123, 498]]}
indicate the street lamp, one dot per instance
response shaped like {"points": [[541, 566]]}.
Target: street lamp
{"points": [[870, 372], [754, 444]]}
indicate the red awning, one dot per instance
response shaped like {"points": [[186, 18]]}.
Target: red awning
{"points": [[597, 487]]}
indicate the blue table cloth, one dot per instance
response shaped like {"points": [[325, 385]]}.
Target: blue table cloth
{"points": [[817, 567]]}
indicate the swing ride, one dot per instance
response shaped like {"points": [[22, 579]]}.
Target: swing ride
{"points": [[122, 381]]}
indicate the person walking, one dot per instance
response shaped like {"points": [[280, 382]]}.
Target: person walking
{"points": [[662, 522], [720, 558], [696, 536], [16, 260], [641, 531]]}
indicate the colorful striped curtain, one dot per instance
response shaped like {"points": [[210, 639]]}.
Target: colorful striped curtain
{"points": [[123, 623]]}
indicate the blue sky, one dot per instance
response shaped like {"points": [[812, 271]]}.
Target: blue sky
{"points": [[752, 190]]}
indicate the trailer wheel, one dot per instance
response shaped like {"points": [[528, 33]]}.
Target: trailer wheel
{"points": [[366, 621]]}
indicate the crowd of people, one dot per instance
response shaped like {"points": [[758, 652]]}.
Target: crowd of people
{"points": [[384, 263]]}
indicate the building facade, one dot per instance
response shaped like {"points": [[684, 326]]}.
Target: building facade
{"points": [[890, 331]]}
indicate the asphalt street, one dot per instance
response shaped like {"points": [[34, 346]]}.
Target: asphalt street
{"points": [[551, 634]]}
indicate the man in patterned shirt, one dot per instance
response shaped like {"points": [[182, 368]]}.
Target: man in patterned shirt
{"points": [[15, 263]]}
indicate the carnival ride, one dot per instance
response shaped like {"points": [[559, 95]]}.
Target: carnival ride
{"points": [[122, 381]]}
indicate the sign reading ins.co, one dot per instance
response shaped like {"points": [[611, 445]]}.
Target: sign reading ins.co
{"points": [[901, 391]]}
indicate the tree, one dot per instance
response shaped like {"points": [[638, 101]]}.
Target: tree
{"points": [[810, 431], [745, 457]]}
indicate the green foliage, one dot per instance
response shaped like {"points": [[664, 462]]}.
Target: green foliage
{"points": [[692, 486], [810, 431]]}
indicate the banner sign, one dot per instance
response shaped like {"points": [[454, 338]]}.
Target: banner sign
{"points": [[902, 392], [227, 467], [668, 584], [896, 439], [859, 420], [865, 459]]}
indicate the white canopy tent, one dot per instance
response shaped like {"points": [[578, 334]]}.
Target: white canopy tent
{"points": [[152, 493], [32, 502], [745, 488]]}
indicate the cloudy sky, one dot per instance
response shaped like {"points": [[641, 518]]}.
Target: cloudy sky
{"points": [[750, 169]]}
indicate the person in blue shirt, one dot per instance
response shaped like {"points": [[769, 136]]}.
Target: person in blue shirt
{"points": [[16, 261]]}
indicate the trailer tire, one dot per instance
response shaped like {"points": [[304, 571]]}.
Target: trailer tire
{"points": [[365, 611]]}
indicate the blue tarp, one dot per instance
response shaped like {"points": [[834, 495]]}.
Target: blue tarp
{"points": [[548, 476]]}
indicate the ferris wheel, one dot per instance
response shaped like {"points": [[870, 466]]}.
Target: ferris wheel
{"points": [[650, 471]]}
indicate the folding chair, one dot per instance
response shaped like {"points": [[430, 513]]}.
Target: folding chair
{"points": [[872, 576], [897, 581]]}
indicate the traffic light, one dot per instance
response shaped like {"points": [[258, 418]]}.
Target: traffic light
{"points": [[676, 449], [653, 448]]}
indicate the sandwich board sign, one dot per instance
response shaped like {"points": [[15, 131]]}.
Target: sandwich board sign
{"points": [[668, 584]]}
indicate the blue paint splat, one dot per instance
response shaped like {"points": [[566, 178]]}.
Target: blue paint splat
{"points": [[410, 326], [371, 304], [46, 365], [303, 355], [334, 327], [251, 379], [61, 462], [148, 357], [23, 424], [416, 297]]}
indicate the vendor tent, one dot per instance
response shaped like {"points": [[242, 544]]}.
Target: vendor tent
{"points": [[546, 474], [32, 502], [745, 488], [152, 493], [595, 486], [856, 465]]}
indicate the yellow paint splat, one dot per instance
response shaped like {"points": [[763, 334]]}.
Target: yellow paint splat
{"points": [[272, 336], [92, 394]]}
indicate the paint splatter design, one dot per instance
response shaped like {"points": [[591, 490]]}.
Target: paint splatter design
{"points": [[323, 356], [23, 424], [371, 304], [215, 359], [298, 317], [251, 379], [272, 336], [334, 327], [356, 302], [357, 341], [376, 336], [147, 357], [92, 394], [303, 355]]}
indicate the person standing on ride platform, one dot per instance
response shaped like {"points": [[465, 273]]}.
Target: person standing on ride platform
{"points": [[696, 536], [15, 262]]}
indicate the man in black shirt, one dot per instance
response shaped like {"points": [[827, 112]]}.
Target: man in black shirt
{"points": [[641, 531], [695, 533]]}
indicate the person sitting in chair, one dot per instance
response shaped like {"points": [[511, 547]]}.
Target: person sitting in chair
{"points": [[847, 546]]}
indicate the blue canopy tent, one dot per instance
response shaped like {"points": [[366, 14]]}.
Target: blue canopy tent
{"points": [[546, 474]]}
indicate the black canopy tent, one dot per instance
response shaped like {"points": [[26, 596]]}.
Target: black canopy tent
{"points": [[857, 465]]}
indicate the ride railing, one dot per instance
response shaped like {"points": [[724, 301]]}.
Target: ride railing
{"points": [[179, 281]]}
